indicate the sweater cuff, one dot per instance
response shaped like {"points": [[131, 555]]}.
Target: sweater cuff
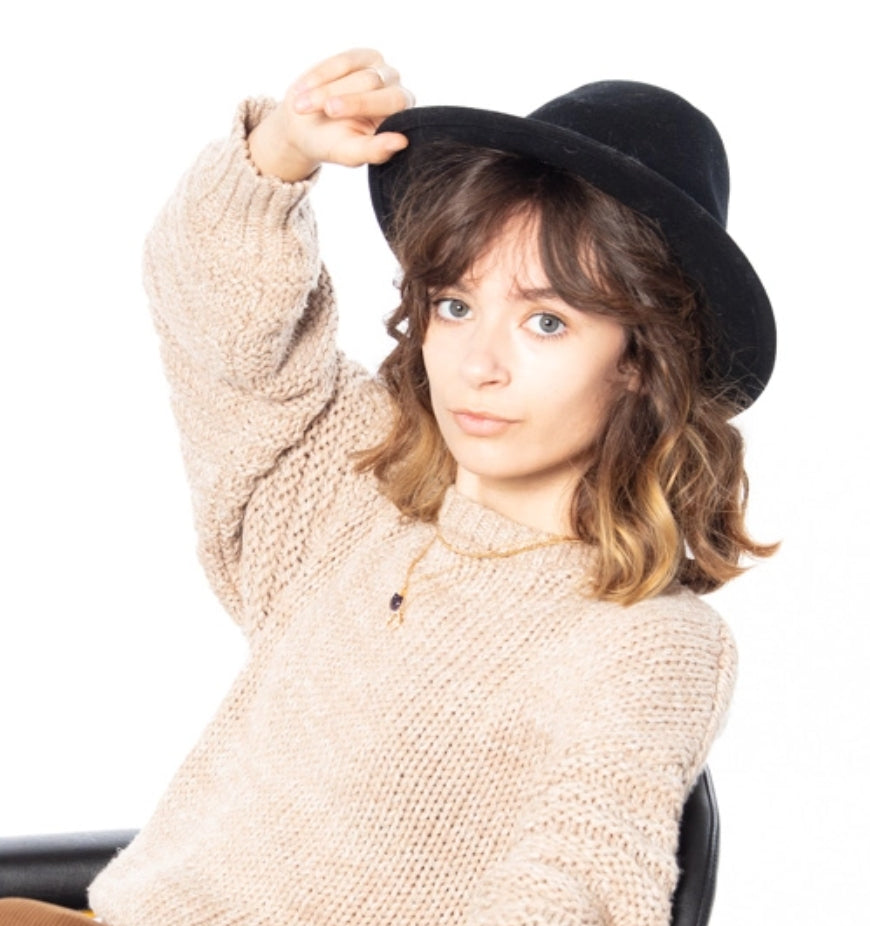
{"points": [[232, 186]]}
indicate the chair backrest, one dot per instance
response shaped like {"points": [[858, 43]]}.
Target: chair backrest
{"points": [[697, 856]]}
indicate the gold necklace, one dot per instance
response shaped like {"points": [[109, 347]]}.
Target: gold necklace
{"points": [[398, 599]]}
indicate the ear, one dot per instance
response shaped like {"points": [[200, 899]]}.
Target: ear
{"points": [[630, 377], [628, 367]]}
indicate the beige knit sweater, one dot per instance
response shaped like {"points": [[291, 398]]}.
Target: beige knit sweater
{"points": [[513, 753]]}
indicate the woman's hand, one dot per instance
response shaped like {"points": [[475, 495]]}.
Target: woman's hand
{"points": [[331, 114]]}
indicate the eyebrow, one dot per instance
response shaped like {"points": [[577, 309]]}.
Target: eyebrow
{"points": [[534, 294], [540, 294]]}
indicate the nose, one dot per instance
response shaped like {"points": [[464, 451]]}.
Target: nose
{"points": [[485, 358]]}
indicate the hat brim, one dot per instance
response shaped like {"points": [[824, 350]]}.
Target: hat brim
{"points": [[746, 341]]}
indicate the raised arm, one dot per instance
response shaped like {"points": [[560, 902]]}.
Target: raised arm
{"points": [[246, 315]]}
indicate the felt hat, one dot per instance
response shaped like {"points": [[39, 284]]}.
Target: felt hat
{"points": [[654, 152]]}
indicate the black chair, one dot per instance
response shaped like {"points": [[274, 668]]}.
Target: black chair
{"points": [[58, 869], [697, 855]]}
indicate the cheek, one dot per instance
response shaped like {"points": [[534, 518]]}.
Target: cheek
{"points": [[427, 364], [588, 406], [434, 360]]}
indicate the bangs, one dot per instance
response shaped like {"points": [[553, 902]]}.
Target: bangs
{"points": [[458, 207]]}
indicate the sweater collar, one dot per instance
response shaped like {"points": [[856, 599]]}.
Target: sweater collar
{"points": [[475, 529]]}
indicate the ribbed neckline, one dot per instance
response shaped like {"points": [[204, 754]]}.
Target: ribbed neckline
{"points": [[476, 529]]}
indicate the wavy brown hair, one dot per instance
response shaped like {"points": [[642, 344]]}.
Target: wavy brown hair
{"points": [[662, 493]]}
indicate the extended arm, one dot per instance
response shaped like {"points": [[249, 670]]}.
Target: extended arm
{"points": [[597, 842]]}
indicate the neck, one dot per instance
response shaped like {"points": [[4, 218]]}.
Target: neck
{"points": [[545, 507]]}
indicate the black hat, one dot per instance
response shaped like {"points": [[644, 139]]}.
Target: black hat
{"points": [[652, 151]]}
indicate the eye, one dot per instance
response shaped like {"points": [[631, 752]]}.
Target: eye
{"points": [[546, 324], [451, 309]]}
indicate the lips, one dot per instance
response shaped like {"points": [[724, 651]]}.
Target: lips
{"points": [[480, 424]]}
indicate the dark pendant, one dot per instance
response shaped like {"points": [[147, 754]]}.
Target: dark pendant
{"points": [[396, 602]]}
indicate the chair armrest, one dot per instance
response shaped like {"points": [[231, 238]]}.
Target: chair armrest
{"points": [[57, 868]]}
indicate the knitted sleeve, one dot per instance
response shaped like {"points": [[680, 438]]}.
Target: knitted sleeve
{"points": [[246, 319], [597, 841]]}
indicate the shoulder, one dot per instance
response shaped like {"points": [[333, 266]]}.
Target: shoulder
{"points": [[676, 628], [675, 643], [666, 663], [682, 641], [676, 622]]}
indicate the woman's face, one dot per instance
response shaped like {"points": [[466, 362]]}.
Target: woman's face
{"points": [[520, 381]]}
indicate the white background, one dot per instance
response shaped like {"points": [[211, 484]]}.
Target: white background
{"points": [[113, 653]]}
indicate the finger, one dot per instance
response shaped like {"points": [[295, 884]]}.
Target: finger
{"points": [[366, 79], [388, 143], [380, 76], [336, 67], [372, 104], [368, 149]]}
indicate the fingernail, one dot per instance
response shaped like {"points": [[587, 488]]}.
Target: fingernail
{"points": [[334, 106]]}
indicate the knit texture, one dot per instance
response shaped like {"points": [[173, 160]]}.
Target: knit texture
{"points": [[514, 752]]}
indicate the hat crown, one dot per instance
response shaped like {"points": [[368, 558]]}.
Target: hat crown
{"points": [[654, 127]]}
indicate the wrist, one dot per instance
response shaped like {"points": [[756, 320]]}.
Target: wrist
{"points": [[274, 155]]}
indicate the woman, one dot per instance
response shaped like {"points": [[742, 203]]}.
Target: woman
{"points": [[480, 682]]}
